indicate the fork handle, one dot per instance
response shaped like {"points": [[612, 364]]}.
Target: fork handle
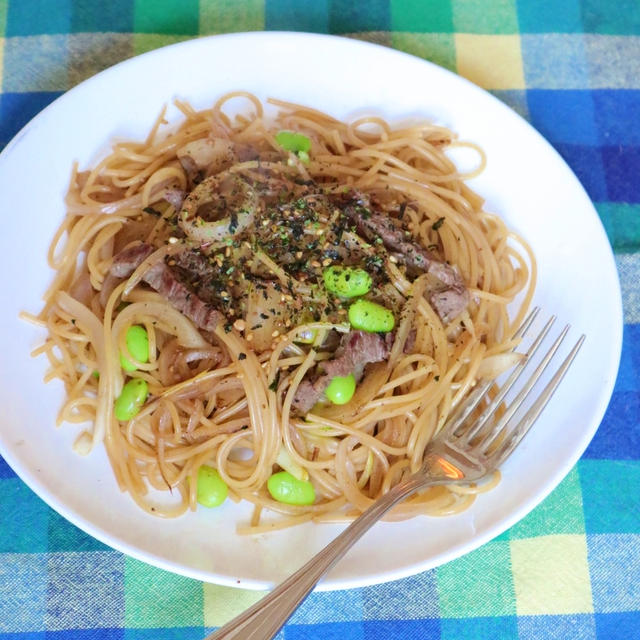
{"points": [[266, 617]]}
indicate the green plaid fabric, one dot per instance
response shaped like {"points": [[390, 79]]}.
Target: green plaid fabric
{"points": [[571, 569]]}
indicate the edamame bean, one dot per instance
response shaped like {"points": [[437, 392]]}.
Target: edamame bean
{"points": [[132, 397], [372, 317], [283, 487], [138, 345], [212, 490], [292, 141], [346, 282], [341, 389], [296, 143]]}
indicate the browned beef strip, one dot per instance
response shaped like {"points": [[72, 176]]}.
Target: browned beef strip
{"points": [[128, 260], [174, 197], [449, 302], [161, 278], [376, 225], [410, 341], [308, 393], [357, 348], [195, 262], [452, 297]]}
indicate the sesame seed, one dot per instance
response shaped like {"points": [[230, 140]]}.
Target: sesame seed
{"points": [[173, 240], [393, 259], [239, 325], [249, 337], [326, 262], [275, 334]]}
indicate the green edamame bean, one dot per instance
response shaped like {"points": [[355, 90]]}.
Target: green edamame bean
{"points": [[341, 389], [132, 397], [283, 487], [372, 317], [347, 282], [296, 143], [212, 490], [137, 341], [292, 141]]}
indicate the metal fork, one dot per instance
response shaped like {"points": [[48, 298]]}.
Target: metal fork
{"points": [[466, 450]]}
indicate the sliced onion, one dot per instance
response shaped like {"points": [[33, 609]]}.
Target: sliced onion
{"points": [[151, 304], [492, 366], [106, 393], [225, 189], [207, 154], [285, 461], [260, 303]]}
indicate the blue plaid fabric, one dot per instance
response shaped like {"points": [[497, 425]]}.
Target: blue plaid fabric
{"points": [[571, 568]]}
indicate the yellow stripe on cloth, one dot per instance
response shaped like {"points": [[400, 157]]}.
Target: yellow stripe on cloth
{"points": [[490, 61], [221, 604], [551, 575]]}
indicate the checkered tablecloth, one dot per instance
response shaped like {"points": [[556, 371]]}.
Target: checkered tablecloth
{"points": [[571, 569]]}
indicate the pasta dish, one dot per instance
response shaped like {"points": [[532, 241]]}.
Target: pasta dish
{"points": [[277, 309]]}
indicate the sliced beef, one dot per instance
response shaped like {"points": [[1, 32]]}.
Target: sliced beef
{"points": [[450, 297], [308, 393], [450, 301], [410, 342], [175, 197], [167, 283], [128, 260], [161, 278], [357, 349], [195, 263], [375, 225]]}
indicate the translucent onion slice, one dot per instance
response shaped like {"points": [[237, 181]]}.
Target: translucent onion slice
{"points": [[492, 366], [219, 207]]}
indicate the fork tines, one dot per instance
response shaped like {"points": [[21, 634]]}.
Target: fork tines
{"points": [[495, 438]]}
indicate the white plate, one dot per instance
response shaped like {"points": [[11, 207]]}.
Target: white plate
{"points": [[526, 182]]}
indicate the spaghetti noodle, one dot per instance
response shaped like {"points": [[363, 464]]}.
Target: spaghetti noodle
{"points": [[215, 238]]}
